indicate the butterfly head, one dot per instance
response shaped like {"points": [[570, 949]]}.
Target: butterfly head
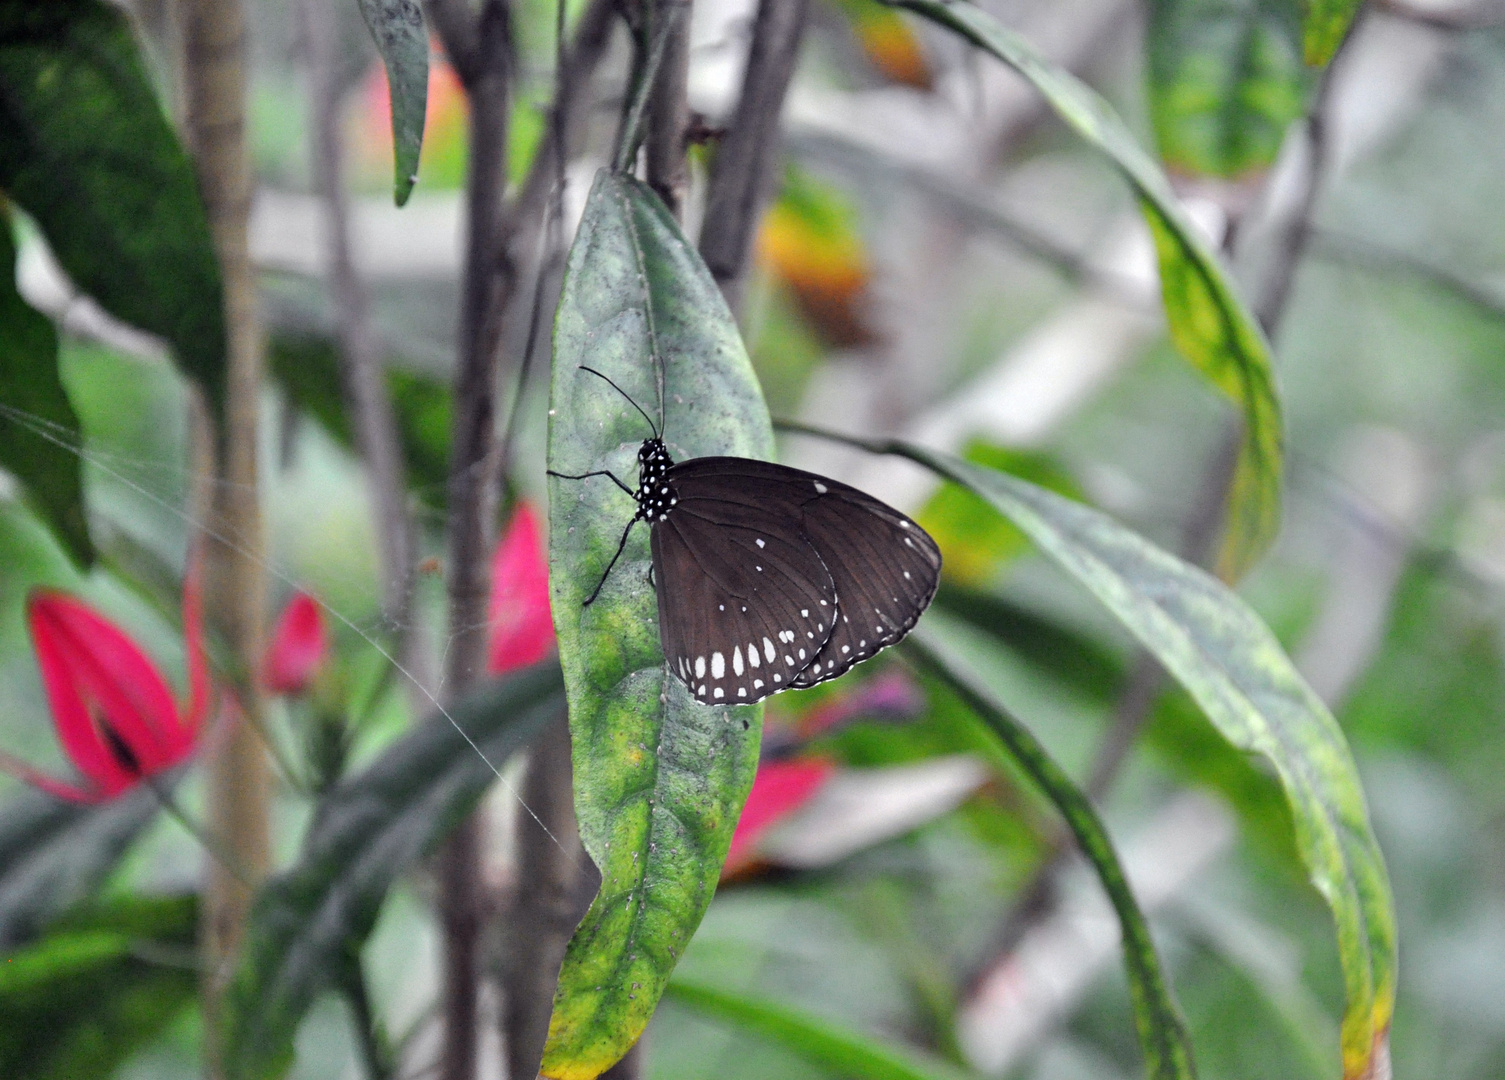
{"points": [[654, 495]]}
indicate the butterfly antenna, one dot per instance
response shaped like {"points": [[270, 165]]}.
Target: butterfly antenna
{"points": [[620, 545], [628, 396]]}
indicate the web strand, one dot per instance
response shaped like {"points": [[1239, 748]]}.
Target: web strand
{"points": [[46, 429]]}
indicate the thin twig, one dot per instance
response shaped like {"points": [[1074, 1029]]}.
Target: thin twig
{"points": [[472, 488], [369, 404], [746, 160], [669, 109]]}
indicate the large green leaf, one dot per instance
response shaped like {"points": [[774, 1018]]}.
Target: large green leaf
{"points": [[85, 149], [1162, 1032], [823, 1042], [54, 854], [397, 28], [39, 448], [659, 779], [1225, 80], [309, 921], [1230, 662], [1209, 323], [82, 1000]]}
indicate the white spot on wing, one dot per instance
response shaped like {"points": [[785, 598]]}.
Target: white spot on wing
{"points": [[720, 692], [821, 487], [760, 542], [736, 659], [700, 667], [768, 650], [757, 684], [718, 666], [752, 654]]}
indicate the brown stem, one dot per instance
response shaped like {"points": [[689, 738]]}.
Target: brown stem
{"points": [[481, 47], [543, 911], [236, 793], [747, 158], [360, 353], [669, 108]]}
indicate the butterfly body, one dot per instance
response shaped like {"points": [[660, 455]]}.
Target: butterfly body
{"points": [[770, 578]]}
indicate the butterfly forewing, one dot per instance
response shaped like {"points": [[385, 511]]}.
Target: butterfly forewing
{"points": [[849, 575], [745, 602]]}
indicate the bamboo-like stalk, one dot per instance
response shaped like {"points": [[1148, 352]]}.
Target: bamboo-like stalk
{"points": [[213, 87]]}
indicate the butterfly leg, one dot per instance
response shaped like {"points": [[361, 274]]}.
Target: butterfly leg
{"points": [[620, 545], [599, 472]]}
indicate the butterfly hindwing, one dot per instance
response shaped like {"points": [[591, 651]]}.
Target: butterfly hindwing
{"points": [[848, 575], [745, 603]]}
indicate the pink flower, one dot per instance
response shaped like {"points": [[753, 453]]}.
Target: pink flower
{"points": [[522, 631], [114, 712], [298, 648], [890, 694], [779, 789]]}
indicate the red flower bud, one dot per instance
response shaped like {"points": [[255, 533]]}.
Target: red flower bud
{"points": [[298, 647], [522, 631]]}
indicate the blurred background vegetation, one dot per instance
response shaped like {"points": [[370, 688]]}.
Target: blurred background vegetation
{"points": [[943, 260]]}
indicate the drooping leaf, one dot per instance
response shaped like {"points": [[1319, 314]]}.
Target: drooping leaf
{"points": [[1225, 80], [403, 41], [54, 854], [1327, 24], [820, 1041], [659, 779], [83, 999], [86, 151], [1231, 664], [308, 921], [39, 447], [1162, 1032], [1210, 324]]}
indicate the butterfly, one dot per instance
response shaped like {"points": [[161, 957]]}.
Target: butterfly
{"points": [[769, 578]]}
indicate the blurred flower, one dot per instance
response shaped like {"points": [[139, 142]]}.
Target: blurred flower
{"points": [[891, 694], [522, 630], [114, 712], [809, 240], [298, 648], [779, 789], [889, 42]]}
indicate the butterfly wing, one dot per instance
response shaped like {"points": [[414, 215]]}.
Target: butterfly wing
{"points": [[744, 601], [877, 570], [885, 567]]}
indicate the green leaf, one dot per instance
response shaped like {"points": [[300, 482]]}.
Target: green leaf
{"points": [[82, 1000], [53, 854], [307, 367], [823, 1042], [40, 449], [1162, 1032], [659, 779], [397, 28], [1225, 80], [1230, 662], [308, 921], [1208, 321], [1327, 24], [86, 151]]}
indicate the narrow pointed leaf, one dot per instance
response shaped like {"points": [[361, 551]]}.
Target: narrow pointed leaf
{"points": [[374, 827], [86, 150], [822, 1042], [659, 779], [1225, 81], [53, 854], [39, 447], [1208, 321], [1229, 661], [1327, 24], [403, 41], [1162, 1032]]}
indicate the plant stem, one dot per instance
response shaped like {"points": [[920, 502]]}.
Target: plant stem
{"points": [[214, 111], [480, 45], [669, 108], [743, 173]]}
